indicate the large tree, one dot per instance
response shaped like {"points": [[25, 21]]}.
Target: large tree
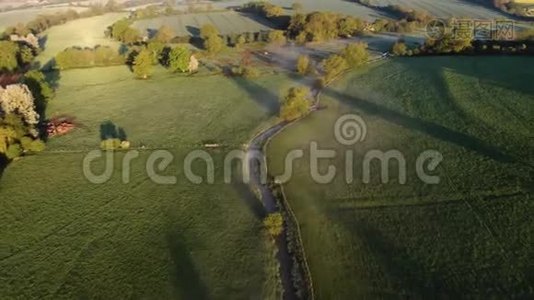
{"points": [[334, 66], [213, 43], [17, 99], [303, 64], [157, 50], [165, 34], [142, 66], [349, 26], [277, 37], [295, 103], [8, 55], [272, 10], [356, 54], [179, 59], [208, 30], [40, 89]]}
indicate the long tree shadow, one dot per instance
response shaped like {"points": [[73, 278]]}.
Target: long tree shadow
{"points": [[409, 277], [499, 71], [187, 281], [429, 128], [434, 75], [262, 96]]}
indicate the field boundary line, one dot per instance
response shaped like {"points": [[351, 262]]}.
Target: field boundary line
{"points": [[300, 242]]}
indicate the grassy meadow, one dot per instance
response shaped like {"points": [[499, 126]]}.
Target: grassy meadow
{"points": [[471, 235], [64, 237], [85, 32]]}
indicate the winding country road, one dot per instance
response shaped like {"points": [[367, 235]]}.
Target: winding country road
{"points": [[257, 164]]}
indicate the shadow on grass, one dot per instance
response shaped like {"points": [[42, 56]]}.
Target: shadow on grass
{"points": [[187, 281], [429, 128], [382, 12], [410, 278], [281, 22], [109, 130], [251, 201], [499, 71], [3, 165], [193, 30], [262, 96]]}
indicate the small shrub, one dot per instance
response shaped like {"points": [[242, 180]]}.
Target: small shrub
{"points": [[399, 49], [245, 72], [303, 64], [110, 144], [13, 151], [274, 224]]}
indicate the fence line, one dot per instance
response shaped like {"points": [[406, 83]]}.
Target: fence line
{"points": [[300, 243]]}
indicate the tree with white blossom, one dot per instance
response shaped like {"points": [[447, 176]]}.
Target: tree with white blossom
{"points": [[18, 99]]}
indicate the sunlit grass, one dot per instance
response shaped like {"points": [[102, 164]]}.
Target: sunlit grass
{"points": [[468, 235]]}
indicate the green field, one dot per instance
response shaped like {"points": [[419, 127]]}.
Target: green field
{"points": [[471, 235], [12, 18], [63, 237], [189, 24], [85, 32]]}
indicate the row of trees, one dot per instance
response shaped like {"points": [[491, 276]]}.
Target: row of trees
{"points": [[450, 45], [45, 21], [406, 19], [77, 57], [123, 32], [353, 56], [323, 26], [177, 60], [167, 9]]}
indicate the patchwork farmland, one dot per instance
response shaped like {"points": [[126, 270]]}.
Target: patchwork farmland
{"points": [[447, 8], [11, 18], [441, 8], [227, 22]]}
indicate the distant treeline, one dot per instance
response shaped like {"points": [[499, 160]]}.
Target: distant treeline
{"points": [[167, 9], [123, 31], [45, 21], [448, 45]]}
